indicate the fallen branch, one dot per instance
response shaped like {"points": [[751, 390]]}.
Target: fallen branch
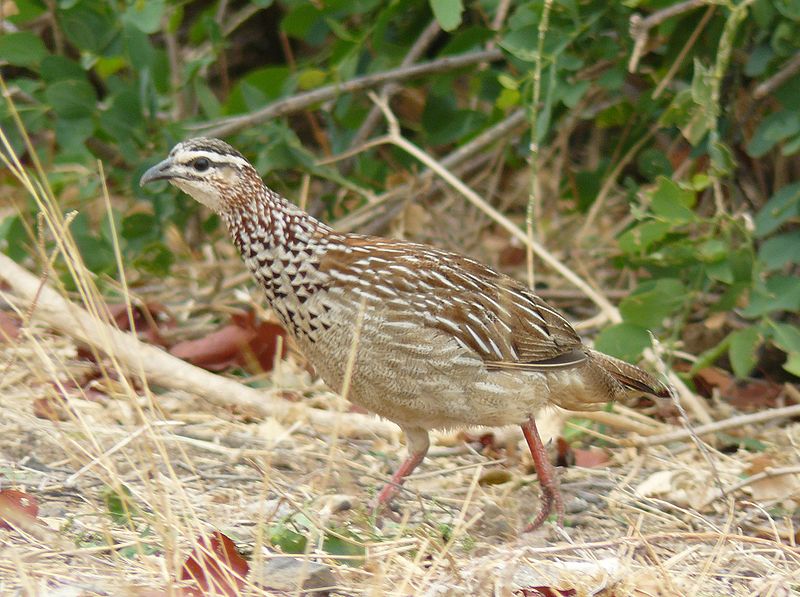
{"points": [[226, 126], [163, 369]]}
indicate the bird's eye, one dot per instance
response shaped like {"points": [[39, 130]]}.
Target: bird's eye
{"points": [[201, 164]]}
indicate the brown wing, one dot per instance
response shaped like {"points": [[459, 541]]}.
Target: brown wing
{"points": [[494, 315]]}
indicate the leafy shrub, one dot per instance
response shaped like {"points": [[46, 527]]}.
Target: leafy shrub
{"points": [[693, 128]]}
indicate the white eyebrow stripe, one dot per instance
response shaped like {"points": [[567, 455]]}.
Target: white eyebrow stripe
{"points": [[186, 156]]}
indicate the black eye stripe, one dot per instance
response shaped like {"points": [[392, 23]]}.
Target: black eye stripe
{"points": [[211, 163]]}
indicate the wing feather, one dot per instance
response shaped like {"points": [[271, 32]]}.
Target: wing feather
{"points": [[498, 318]]}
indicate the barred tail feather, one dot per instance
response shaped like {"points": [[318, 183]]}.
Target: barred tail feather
{"points": [[631, 377]]}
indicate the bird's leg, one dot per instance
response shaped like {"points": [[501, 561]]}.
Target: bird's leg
{"points": [[418, 444], [548, 478]]}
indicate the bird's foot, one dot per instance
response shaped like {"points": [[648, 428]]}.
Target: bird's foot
{"points": [[551, 496], [548, 478]]}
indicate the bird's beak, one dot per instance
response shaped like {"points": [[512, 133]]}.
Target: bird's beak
{"points": [[160, 171]]}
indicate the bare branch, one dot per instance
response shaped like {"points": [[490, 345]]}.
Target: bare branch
{"points": [[787, 71], [301, 101], [640, 26]]}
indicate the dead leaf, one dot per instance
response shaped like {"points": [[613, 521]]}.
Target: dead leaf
{"points": [[495, 476], [146, 319], [753, 394], [590, 458], [51, 408], [776, 487], [659, 483], [9, 327], [263, 345], [244, 342], [710, 378], [216, 566], [17, 509], [214, 352]]}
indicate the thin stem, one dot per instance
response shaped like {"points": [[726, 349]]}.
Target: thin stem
{"points": [[533, 196]]}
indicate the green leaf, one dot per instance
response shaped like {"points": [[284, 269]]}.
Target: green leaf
{"points": [[779, 293], [652, 301], [344, 543], [89, 26], [638, 239], [626, 341], [786, 337], [792, 364], [773, 129], [671, 203], [58, 68], [120, 505], [22, 48], [781, 207], [288, 540], [448, 13], [155, 258], [742, 350], [71, 98], [780, 250], [522, 43], [14, 238], [145, 15]]}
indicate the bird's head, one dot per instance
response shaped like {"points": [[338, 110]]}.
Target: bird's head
{"points": [[209, 170]]}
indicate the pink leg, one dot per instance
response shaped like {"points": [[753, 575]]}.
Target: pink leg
{"points": [[418, 444], [548, 478]]}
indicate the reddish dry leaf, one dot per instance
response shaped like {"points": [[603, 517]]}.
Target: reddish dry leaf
{"points": [[242, 342], [747, 395], [146, 319], [17, 509], [215, 565], [263, 346], [591, 458], [564, 454], [9, 327], [710, 378], [754, 394], [51, 408], [216, 351]]}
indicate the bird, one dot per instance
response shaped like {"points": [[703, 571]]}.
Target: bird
{"points": [[427, 338]]}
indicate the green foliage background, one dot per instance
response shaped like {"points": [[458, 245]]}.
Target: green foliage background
{"points": [[122, 81]]}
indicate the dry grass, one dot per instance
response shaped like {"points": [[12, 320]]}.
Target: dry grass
{"points": [[649, 523]]}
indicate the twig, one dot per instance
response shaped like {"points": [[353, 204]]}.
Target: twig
{"points": [[765, 474], [610, 180], [787, 71], [414, 53], [162, 368], [301, 101], [684, 51], [640, 27], [515, 122], [619, 422], [533, 195], [732, 422]]}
